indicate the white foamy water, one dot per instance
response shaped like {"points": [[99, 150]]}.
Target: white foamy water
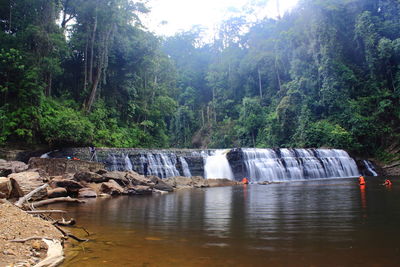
{"points": [[217, 165]]}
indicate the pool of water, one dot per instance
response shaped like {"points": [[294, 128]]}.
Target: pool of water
{"points": [[315, 223]]}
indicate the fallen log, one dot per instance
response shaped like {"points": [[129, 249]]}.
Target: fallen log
{"points": [[44, 211], [55, 254], [28, 196], [55, 200]]}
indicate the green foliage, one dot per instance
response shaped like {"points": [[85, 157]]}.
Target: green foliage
{"points": [[327, 74], [61, 125], [326, 134]]}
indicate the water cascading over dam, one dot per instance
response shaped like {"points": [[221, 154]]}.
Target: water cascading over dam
{"points": [[256, 164], [216, 165], [297, 164]]}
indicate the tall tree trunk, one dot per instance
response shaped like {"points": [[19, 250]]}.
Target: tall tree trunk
{"points": [[202, 117], [93, 91], [259, 82], [100, 68], [49, 80], [85, 64], [64, 18], [10, 17], [90, 72]]}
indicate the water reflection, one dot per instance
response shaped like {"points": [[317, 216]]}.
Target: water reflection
{"points": [[297, 224]]}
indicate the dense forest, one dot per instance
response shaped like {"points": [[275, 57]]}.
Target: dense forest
{"points": [[87, 72]]}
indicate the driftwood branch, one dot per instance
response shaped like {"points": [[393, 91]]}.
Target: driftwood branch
{"points": [[44, 211], [70, 235], [55, 254], [28, 196], [28, 239], [55, 200], [63, 222]]}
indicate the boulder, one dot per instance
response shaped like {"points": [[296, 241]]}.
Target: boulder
{"points": [[221, 182], [140, 190], [119, 177], [57, 192], [70, 185], [25, 182], [86, 192], [101, 172], [179, 182], [199, 182], [137, 179], [8, 167], [5, 187], [160, 184], [61, 166], [112, 188], [90, 177]]}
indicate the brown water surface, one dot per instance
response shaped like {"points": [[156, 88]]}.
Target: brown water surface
{"points": [[315, 223]]}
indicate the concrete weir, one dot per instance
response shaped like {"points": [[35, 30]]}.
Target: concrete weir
{"points": [[273, 165]]}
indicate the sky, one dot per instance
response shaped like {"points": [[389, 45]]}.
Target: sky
{"points": [[179, 15]]}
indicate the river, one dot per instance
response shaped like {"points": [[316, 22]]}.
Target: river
{"points": [[314, 223]]}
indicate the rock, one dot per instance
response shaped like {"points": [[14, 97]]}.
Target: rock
{"points": [[160, 184], [101, 172], [71, 185], [86, 192], [119, 177], [90, 177], [137, 179], [104, 195], [8, 252], [264, 183], [61, 166], [8, 167], [57, 192], [25, 182], [200, 182], [141, 189], [36, 245], [180, 182], [221, 182], [111, 187], [5, 187]]}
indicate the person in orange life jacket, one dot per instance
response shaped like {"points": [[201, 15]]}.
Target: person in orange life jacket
{"points": [[361, 180], [388, 182], [245, 180]]}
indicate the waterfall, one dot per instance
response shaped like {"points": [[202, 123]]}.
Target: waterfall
{"points": [[160, 164], [112, 162], [370, 167], [297, 164], [185, 167], [128, 163], [217, 166], [256, 164]]}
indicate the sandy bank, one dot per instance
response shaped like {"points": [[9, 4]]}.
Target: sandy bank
{"points": [[17, 224]]}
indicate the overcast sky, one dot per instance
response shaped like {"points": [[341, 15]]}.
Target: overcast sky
{"points": [[183, 14]]}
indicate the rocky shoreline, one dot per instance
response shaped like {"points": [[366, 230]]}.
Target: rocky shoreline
{"points": [[44, 181]]}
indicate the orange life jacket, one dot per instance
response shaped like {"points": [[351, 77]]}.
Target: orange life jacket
{"points": [[361, 180], [388, 182], [245, 181]]}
